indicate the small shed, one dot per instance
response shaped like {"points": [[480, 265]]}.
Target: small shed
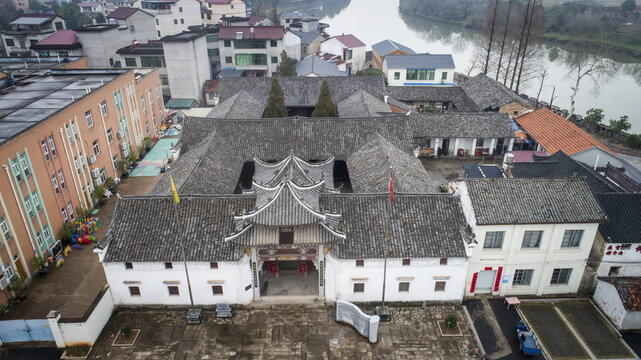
{"points": [[620, 300]]}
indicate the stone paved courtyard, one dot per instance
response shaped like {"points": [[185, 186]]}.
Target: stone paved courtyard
{"points": [[285, 332]]}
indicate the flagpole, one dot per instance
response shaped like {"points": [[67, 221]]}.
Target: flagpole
{"points": [[180, 239]]}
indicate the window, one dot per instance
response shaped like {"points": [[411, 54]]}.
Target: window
{"points": [[180, 8], [359, 287], [439, 286], [403, 287], [153, 120], [10, 42], [36, 200], [274, 59], [273, 43], [169, 265], [45, 149], [164, 79], [414, 74], [131, 62], [406, 262], [157, 31], [54, 180], [142, 103], [572, 238], [5, 228], [561, 276], [175, 21], [110, 135], [157, 93], [182, 21], [63, 211], [69, 136], [213, 265], [134, 291], [173, 290], [232, 6], [152, 61], [208, 15], [626, 246], [360, 263], [131, 29], [47, 234], [228, 59], [211, 38], [227, 43], [493, 240], [479, 143], [249, 44], [151, 100], [70, 209], [96, 148], [9, 270], [83, 161], [397, 75], [147, 128], [43, 53], [129, 266], [39, 239], [444, 75], [251, 59], [158, 23], [33, 42], [89, 118], [614, 271], [103, 175], [74, 128], [103, 108], [522, 277], [62, 179], [286, 236], [444, 261], [27, 206], [115, 161], [531, 239], [52, 145], [217, 289], [16, 169], [25, 165]]}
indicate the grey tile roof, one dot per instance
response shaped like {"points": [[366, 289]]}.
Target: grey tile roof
{"points": [[296, 169], [560, 165], [420, 61], [315, 65], [489, 94], [453, 94], [241, 105], [146, 228], [624, 217], [412, 234], [302, 91], [387, 46], [462, 125], [533, 201], [306, 37], [361, 104], [369, 169]]}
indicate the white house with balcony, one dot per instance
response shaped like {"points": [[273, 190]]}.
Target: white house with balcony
{"points": [[349, 48], [213, 10], [173, 16], [28, 29], [419, 70], [533, 235], [255, 50]]}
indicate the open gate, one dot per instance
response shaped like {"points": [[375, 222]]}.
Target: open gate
{"points": [[25, 330]]}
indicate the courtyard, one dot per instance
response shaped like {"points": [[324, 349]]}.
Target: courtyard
{"points": [[285, 332]]}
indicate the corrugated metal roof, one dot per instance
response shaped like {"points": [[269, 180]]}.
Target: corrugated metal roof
{"points": [[420, 61]]}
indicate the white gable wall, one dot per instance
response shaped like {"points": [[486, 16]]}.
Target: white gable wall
{"points": [[292, 45], [597, 156], [335, 47], [607, 297], [629, 260]]}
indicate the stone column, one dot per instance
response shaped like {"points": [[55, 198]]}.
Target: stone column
{"points": [[473, 150], [456, 147], [492, 146], [511, 144]]}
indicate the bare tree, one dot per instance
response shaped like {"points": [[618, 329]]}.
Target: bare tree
{"points": [[533, 37], [544, 74], [506, 26], [520, 47], [490, 25]]}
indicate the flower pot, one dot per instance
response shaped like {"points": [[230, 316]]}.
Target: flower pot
{"points": [[42, 272]]}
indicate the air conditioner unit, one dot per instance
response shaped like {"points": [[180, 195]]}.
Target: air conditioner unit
{"points": [[91, 158], [4, 281], [125, 153], [121, 134], [97, 182], [124, 146], [95, 173]]}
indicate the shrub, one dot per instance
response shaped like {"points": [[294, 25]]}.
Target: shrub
{"points": [[123, 165], [634, 141], [38, 261], [67, 231], [125, 330], [451, 320], [83, 213], [98, 192], [78, 351], [110, 183]]}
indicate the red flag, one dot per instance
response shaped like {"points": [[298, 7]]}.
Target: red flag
{"points": [[391, 186]]}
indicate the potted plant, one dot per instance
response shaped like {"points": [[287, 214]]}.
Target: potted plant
{"points": [[41, 263], [111, 184], [123, 166], [97, 193], [66, 233], [18, 285], [132, 158], [451, 320]]}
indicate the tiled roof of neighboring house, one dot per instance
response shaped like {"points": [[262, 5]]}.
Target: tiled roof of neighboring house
{"points": [[526, 155], [387, 46], [299, 171], [555, 133], [62, 39], [183, 36], [420, 61], [150, 48], [412, 234], [147, 228], [398, 106], [453, 94], [349, 40], [240, 106], [629, 289], [315, 65], [32, 19], [303, 91], [260, 32], [296, 14], [533, 201], [370, 167], [89, 4], [624, 217], [122, 13], [211, 86], [489, 94], [255, 19], [308, 138], [462, 125], [219, 2], [560, 165], [477, 171], [306, 37], [360, 104]]}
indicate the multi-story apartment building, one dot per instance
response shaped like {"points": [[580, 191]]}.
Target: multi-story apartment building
{"points": [[173, 16], [254, 50], [27, 29], [133, 25], [146, 55], [60, 136], [213, 10], [99, 44], [188, 66]]}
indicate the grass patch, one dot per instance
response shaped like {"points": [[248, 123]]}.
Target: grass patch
{"points": [[78, 351]]}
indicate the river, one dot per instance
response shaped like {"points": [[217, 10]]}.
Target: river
{"points": [[376, 20]]}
